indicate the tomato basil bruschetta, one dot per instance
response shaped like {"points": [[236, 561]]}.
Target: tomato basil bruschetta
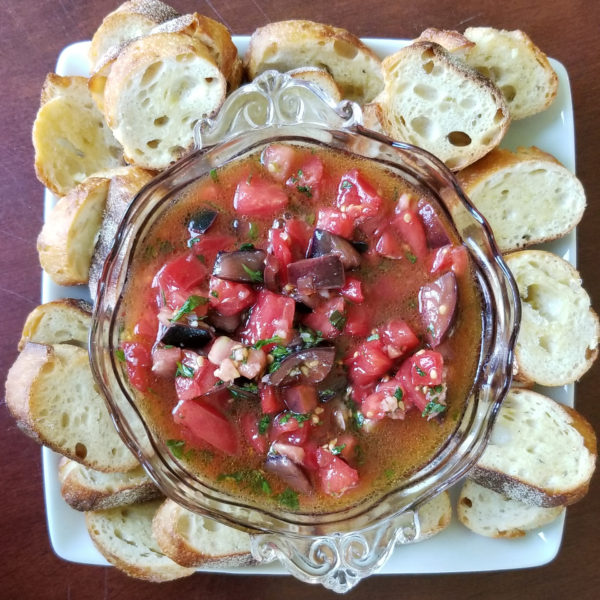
{"points": [[302, 326]]}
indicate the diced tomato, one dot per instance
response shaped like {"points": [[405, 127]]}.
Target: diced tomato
{"points": [[182, 273], [335, 475], [138, 361], [358, 321], [323, 317], [336, 222], [206, 423], [249, 425], [257, 196], [357, 197], [202, 380], [353, 290], [279, 159], [270, 402], [299, 233], [206, 246], [301, 398], [397, 338], [368, 362], [426, 368], [273, 314], [449, 258], [229, 297]]}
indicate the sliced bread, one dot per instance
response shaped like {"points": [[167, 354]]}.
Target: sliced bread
{"points": [[527, 196], [558, 339], [491, 514], [516, 65], [435, 515], [66, 242], [130, 20], [288, 45], [158, 87], [87, 489], [52, 395], [70, 136], [64, 321], [540, 452], [194, 540], [434, 100], [123, 536]]}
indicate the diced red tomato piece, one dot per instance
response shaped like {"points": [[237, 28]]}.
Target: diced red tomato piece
{"points": [[299, 233], [358, 320], [426, 368], [368, 362], [357, 197], [182, 273], [229, 297], [249, 425], [279, 160], [257, 196], [273, 314], [335, 475], [138, 361], [270, 402], [352, 290], [207, 424], [449, 258], [398, 338], [301, 398], [202, 381], [336, 222], [323, 317]]}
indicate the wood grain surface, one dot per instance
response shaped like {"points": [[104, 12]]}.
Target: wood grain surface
{"points": [[32, 35]]}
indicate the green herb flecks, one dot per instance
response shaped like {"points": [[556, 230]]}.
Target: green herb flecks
{"points": [[255, 276]]}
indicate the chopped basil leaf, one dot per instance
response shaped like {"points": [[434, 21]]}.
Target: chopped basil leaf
{"points": [[373, 337], [255, 276], [338, 449], [338, 320], [188, 306], [263, 424], [289, 498], [184, 371], [214, 176], [273, 340], [120, 354], [346, 185], [176, 447]]}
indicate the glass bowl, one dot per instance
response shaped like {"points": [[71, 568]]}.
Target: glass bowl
{"points": [[339, 548]]}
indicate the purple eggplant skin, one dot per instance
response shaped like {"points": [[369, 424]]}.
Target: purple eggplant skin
{"points": [[312, 274], [318, 361], [437, 305], [243, 266], [323, 243], [289, 472]]}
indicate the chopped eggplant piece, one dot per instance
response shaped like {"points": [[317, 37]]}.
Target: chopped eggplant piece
{"points": [[243, 266], [325, 243], [201, 221], [313, 274], [186, 336], [312, 365], [437, 305], [288, 472]]}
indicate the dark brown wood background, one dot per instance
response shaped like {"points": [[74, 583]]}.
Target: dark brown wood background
{"points": [[32, 35]]}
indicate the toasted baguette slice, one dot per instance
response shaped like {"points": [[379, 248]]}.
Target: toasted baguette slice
{"points": [[215, 36], [70, 136], [123, 536], [527, 196], [64, 321], [434, 100], [51, 393], [157, 89], [491, 514], [321, 78], [193, 540], [540, 452], [288, 45], [130, 20], [516, 65], [435, 515], [558, 339], [66, 242], [121, 191], [87, 489]]}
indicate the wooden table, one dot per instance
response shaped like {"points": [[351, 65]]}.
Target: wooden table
{"points": [[33, 33]]}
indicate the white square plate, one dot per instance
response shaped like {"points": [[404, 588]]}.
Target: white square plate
{"points": [[454, 550]]}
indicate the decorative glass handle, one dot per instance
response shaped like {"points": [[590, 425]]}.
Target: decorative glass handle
{"points": [[337, 561], [275, 98]]}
